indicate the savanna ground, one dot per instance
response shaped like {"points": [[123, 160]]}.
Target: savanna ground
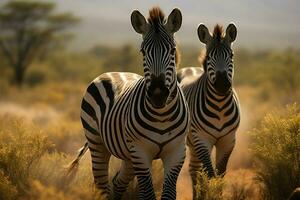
{"points": [[40, 130]]}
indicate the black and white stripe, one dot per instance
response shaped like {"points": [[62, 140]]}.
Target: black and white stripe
{"points": [[120, 119], [158, 50], [214, 108]]}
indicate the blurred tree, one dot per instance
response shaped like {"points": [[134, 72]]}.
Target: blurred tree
{"points": [[28, 30]]}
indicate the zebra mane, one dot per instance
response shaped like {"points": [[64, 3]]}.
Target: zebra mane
{"points": [[218, 33], [156, 16]]}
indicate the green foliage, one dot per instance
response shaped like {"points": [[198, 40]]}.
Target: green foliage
{"points": [[280, 69], [276, 149]]}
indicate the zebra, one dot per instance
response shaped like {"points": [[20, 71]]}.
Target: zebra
{"points": [[213, 103], [138, 119]]}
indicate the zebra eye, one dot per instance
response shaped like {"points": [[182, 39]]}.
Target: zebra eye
{"points": [[231, 55]]}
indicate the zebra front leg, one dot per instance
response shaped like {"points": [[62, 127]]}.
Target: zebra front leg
{"points": [[142, 168], [200, 153], [224, 148], [199, 158], [122, 179], [173, 162]]}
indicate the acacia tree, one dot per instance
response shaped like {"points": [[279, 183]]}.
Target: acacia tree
{"points": [[27, 30]]}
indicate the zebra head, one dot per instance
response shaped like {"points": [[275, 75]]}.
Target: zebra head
{"points": [[159, 52], [218, 63]]}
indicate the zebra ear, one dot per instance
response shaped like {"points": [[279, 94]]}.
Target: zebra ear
{"points": [[139, 22], [203, 34], [231, 33], [174, 21]]}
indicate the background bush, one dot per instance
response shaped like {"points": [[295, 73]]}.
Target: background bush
{"points": [[276, 150]]}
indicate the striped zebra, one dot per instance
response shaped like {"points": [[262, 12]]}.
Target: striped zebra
{"points": [[138, 119], [213, 103]]}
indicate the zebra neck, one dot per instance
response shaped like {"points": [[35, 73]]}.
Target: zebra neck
{"points": [[211, 93]]}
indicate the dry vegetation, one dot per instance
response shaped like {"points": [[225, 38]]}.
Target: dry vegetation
{"points": [[276, 149], [40, 129]]}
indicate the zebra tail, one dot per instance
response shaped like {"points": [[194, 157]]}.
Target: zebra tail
{"points": [[73, 166]]}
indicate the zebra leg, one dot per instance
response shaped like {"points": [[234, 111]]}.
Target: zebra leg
{"points": [[100, 159], [99, 154], [142, 169], [199, 158], [224, 147], [122, 179], [194, 167], [173, 162]]}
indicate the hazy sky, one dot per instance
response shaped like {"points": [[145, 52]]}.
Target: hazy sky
{"points": [[260, 23]]}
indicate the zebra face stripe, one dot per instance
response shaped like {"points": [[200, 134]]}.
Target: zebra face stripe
{"points": [[159, 51], [219, 67]]}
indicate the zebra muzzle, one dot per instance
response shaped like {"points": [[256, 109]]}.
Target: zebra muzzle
{"points": [[157, 92], [222, 83]]}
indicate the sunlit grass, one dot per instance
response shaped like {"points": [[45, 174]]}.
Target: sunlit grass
{"points": [[21, 148], [209, 189]]}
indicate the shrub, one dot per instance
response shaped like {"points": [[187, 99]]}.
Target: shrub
{"points": [[209, 189], [276, 150], [7, 189], [20, 148]]}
